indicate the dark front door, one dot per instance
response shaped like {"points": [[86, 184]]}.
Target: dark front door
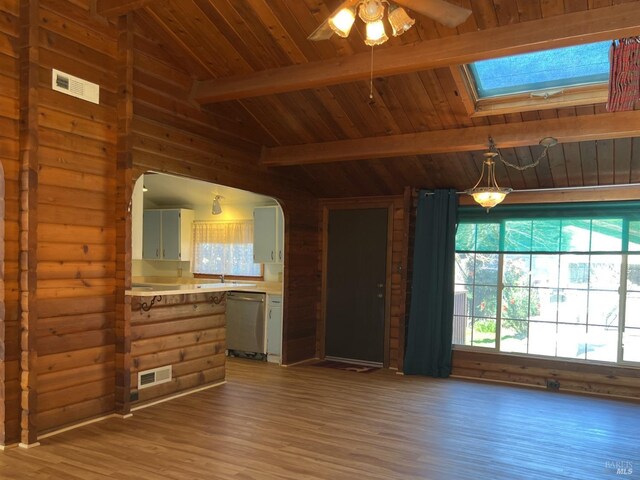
{"points": [[356, 275]]}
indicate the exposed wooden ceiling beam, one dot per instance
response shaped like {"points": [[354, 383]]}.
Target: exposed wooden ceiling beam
{"points": [[593, 25], [113, 8], [566, 129]]}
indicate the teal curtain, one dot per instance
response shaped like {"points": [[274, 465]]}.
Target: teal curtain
{"points": [[428, 348]]}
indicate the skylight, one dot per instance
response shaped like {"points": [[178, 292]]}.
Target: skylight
{"points": [[548, 69]]}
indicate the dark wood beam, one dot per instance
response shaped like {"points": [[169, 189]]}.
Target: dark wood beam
{"points": [[566, 129], [593, 25], [113, 8]]}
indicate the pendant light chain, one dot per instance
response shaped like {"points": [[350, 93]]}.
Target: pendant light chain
{"points": [[494, 148]]}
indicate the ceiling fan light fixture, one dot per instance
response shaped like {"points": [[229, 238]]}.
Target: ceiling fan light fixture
{"points": [[376, 34], [371, 11], [400, 20], [491, 195], [342, 22]]}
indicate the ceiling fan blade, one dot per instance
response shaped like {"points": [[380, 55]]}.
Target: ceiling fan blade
{"points": [[324, 32], [442, 12]]}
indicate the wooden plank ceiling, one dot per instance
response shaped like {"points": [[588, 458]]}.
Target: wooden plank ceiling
{"points": [[218, 39]]}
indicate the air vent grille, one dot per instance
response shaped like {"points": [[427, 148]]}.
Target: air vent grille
{"points": [[155, 376], [74, 86]]}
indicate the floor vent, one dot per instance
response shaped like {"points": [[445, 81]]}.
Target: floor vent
{"points": [[74, 86], [155, 376]]}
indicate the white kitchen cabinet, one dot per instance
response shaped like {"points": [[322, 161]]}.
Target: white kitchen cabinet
{"points": [[274, 328], [166, 234], [268, 235]]}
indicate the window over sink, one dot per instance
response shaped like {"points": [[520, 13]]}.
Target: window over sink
{"points": [[224, 248]]}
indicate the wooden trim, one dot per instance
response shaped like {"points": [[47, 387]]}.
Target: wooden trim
{"points": [[606, 23], [29, 145], [406, 239], [355, 204], [177, 395], [3, 325], [113, 8], [521, 134], [464, 89], [124, 193]]}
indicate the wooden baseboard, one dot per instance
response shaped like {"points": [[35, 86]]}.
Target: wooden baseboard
{"points": [[28, 445], [81, 424], [302, 362], [8, 447]]}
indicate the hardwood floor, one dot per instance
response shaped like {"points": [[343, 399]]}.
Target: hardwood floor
{"points": [[308, 422]]}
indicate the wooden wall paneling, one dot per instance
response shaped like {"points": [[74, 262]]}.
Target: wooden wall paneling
{"points": [[635, 161], [621, 160], [572, 376], [605, 162], [10, 408], [124, 174], [29, 141], [76, 218], [184, 331]]}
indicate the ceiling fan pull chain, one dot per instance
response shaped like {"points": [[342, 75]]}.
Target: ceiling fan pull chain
{"points": [[371, 78]]}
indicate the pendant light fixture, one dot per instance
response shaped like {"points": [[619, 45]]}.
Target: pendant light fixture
{"points": [[216, 208], [487, 193]]}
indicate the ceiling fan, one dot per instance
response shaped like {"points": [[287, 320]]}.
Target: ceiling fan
{"points": [[372, 11]]}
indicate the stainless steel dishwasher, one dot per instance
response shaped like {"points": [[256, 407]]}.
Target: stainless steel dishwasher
{"points": [[246, 332]]}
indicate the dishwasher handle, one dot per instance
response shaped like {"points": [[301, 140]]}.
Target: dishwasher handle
{"points": [[241, 298]]}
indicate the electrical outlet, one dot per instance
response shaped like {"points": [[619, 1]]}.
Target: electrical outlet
{"points": [[553, 384]]}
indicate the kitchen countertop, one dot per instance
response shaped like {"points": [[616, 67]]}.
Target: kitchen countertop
{"points": [[144, 288]]}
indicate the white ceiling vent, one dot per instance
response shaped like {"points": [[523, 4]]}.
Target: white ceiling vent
{"points": [[74, 86], [155, 376]]}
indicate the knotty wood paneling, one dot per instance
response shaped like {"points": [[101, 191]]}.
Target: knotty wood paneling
{"points": [[572, 376], [9, 203], [187, 332], [76, 221]]}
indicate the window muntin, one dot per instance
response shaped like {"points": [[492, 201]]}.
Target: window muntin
{"points": [[548, 69], [555, 287], [224, 248]]}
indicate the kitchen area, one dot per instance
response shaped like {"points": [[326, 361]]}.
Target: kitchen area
{"points": [[207, 276]]}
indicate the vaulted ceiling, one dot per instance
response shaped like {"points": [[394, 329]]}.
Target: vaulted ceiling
{"points": [[308, 103]]}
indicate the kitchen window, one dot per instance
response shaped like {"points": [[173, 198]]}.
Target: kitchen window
{"points": [[224, 248], [558, 281]]}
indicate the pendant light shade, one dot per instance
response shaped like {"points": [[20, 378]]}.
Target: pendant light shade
{"points": [[400, 21], [490, 195], [342, 22], [376, 34]]}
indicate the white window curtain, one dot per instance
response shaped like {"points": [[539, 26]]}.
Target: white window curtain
{"points": [[224, 247]]}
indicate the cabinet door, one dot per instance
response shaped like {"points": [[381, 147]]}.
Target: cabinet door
{"points": [[264, 235], [274, 325], [171, 234], [151, 222]]}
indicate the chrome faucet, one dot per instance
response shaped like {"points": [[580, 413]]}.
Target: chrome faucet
{"points": [[222, 278]]}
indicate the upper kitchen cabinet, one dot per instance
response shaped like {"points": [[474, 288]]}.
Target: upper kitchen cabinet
{"points": [[268, 234], [166, 234]]}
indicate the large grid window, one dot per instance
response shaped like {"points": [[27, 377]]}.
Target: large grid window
{"points": [[559, 287]]}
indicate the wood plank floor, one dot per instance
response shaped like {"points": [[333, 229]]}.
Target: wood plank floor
{"points": [[310, 422]]}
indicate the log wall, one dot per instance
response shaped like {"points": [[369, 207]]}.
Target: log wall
{"points": [[76, 219], [185, 331], [9, 200], [609, 380]]}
